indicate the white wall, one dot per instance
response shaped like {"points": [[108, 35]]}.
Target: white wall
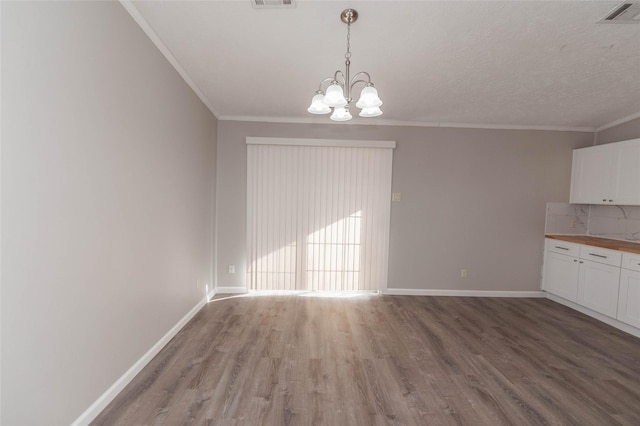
{"points": [[107, 203], [471, 198]]}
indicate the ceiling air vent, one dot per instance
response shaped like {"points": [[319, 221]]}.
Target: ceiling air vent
{"points": [[272, 4], [625, 13]]}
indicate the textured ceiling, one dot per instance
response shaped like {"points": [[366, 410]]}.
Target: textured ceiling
{"points": [[505, 63]]}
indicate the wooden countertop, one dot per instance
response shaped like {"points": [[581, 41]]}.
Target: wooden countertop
{"points": [[599, 242]]}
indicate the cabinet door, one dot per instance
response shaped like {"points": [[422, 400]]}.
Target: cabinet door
{"points": [[598, 287], [591, 175], [561, 275], [626, 173], [629, 300]]}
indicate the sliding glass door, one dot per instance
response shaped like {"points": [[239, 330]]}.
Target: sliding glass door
{"points": [[318, 214]]}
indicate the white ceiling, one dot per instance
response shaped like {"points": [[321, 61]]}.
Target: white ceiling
{"points": [[487, 63]]}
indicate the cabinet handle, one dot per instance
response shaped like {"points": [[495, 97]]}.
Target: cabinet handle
{"points": [[604, 199], [562, 248], [575, 260], [611, 201], [581, 261], [597, 255]]}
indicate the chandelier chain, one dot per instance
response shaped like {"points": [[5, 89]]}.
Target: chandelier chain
{"points": [[348, 54]]}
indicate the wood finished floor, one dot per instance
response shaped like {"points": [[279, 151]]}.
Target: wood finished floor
{"points": [[397, 360]]}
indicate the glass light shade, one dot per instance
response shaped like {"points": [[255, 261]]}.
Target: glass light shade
{"points": [[341, 114], [369, 98], [317, 106], [370, 112], [334, 96]]}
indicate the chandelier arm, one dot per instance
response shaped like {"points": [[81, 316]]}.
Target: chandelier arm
{"points": [[322, 82], [368, 80], [366, 83], [341, 75]]}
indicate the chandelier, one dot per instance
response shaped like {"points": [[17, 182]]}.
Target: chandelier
{"points": [[337, 96]]}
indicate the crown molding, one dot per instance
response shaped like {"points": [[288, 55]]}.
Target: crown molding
{"points": [[619, 121], [144, 25], [519, 127], [383, 122]]}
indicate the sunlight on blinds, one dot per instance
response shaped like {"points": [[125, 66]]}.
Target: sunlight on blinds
{"points": [[333, 256], [318, 217]]}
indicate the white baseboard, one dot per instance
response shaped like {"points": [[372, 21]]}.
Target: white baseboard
{"points": [[605, 319], [104, 400], [461, 293], [417, 292], [230, 290]]}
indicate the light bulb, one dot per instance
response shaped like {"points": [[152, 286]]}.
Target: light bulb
{"points": [[317, 106], [369, 98], [334, 96], [341, 114], [370, 112]]}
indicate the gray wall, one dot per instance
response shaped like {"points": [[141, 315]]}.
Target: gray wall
{"points": [[107, 198], [471, 198], [621, 132]]}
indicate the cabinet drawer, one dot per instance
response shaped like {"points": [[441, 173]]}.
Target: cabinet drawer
{"points": [[631, 261], [563, 247], [601, 255]]}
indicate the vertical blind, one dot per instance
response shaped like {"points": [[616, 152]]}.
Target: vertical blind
{"points": [[318, 214]]}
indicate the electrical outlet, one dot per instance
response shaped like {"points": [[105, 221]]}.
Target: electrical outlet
{"points": [[232, 269], [463, 273], [198, 284], [396, 196], [573, 223]]}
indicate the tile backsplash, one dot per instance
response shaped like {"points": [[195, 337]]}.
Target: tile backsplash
{"points": [[617, 222], [567, 219]]}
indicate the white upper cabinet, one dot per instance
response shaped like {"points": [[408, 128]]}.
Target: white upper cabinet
{"points": [[626, 175], [591, 175], [607, 174]]}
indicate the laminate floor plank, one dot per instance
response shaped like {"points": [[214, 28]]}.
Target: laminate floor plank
{"points": [[386, 360]]}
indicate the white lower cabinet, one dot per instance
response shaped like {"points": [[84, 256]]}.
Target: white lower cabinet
{"points": [[561, 275], [629, 299], [586, 275], [598, 286]]}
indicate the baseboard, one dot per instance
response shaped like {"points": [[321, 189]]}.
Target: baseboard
{"points": [[418, 292], [600, 317], [229, 290], [104, 400], [461, 293]]}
